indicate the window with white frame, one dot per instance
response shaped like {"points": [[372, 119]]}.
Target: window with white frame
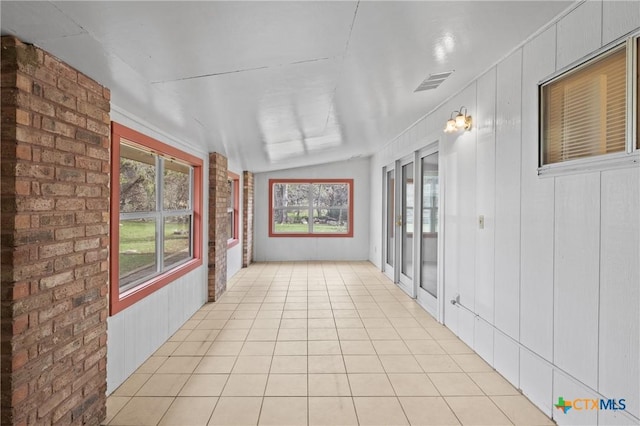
{"points": [[585, 111], [315, 207], [155, 215]]}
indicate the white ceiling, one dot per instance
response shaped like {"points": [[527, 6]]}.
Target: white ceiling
{"points": [[278, 84]]}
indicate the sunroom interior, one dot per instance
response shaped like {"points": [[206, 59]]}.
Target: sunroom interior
{"points": [[351, 212]]}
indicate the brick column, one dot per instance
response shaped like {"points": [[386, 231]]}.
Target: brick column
{"points": [[54, 239], [218, 227], [247, 219]]}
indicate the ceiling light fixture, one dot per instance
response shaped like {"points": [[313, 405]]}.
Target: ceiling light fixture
{"points": [[461, 121]]}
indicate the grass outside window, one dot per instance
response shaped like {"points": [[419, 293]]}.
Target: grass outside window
{"points": [[155, 215], [314, 207]]}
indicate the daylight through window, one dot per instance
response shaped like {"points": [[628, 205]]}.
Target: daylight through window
{"points": [[155, 214], [319, 208]]}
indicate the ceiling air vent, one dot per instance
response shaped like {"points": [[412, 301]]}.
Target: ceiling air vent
{"points": [[433, 81]]}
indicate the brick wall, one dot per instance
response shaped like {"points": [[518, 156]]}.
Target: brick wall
{"points": [[218, 228], [55, 199], [247, 219]]}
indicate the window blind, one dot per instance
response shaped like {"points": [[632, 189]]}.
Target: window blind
{"points": [[584, 112]]}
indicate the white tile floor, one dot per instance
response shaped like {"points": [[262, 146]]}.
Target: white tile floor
{"points": [[316, 344]]}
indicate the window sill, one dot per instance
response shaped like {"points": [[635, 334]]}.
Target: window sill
{"points": [[120, 302], [592, 164], [232, 243]]}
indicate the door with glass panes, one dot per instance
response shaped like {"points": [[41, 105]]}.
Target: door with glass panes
{"points": [[389, 232], [427, 291], [406, 225], [412, 245]]}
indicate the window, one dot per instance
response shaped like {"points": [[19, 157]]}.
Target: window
{"points": [[430, 194], [584, 111], [155, 215], [232, 209], [311, 207]]}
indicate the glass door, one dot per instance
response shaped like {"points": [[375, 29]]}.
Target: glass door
{"points": [[427, 293], [390, 221], [406, 223]]}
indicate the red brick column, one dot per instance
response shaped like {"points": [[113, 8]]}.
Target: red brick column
{"points": [[54, 239], [218, 228], [247, 219]]}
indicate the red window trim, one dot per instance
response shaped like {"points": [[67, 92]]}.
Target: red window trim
{"points": [[349, 234], [234, 239], [117, 301]]}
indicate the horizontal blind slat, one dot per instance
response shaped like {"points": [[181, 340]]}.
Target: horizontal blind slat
{"points": [[585, 111]]}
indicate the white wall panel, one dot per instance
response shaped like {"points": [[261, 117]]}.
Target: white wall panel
{"points": [[483, 340], [579, 33], [619, 326], [282, 248], [375, 212], [565, 307], [507, 234], [115, 352], [536, 380], [157, 315], [234, 257], [174, 314], [144, 327], [465, 146], [138, 331], [619, 18], [132, 323], [422, 129], [536, 257], [484, 121], [506, 358], [466, 326], [566, 387], [467, 219], [577, 257], [451, 237]]}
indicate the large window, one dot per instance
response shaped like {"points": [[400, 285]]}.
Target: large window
{"points": [[585, 111], [155, 215], [314, 207], [233, 204]]}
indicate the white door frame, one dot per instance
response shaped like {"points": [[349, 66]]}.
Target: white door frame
{"points": [[433, 304], [406, 283], [411, 286], [389, 270]]}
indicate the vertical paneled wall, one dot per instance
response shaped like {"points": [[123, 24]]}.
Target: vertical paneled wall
{"points": [[552, 280], [485, 124], [507, 204], [138, 331], [536, 208]]}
